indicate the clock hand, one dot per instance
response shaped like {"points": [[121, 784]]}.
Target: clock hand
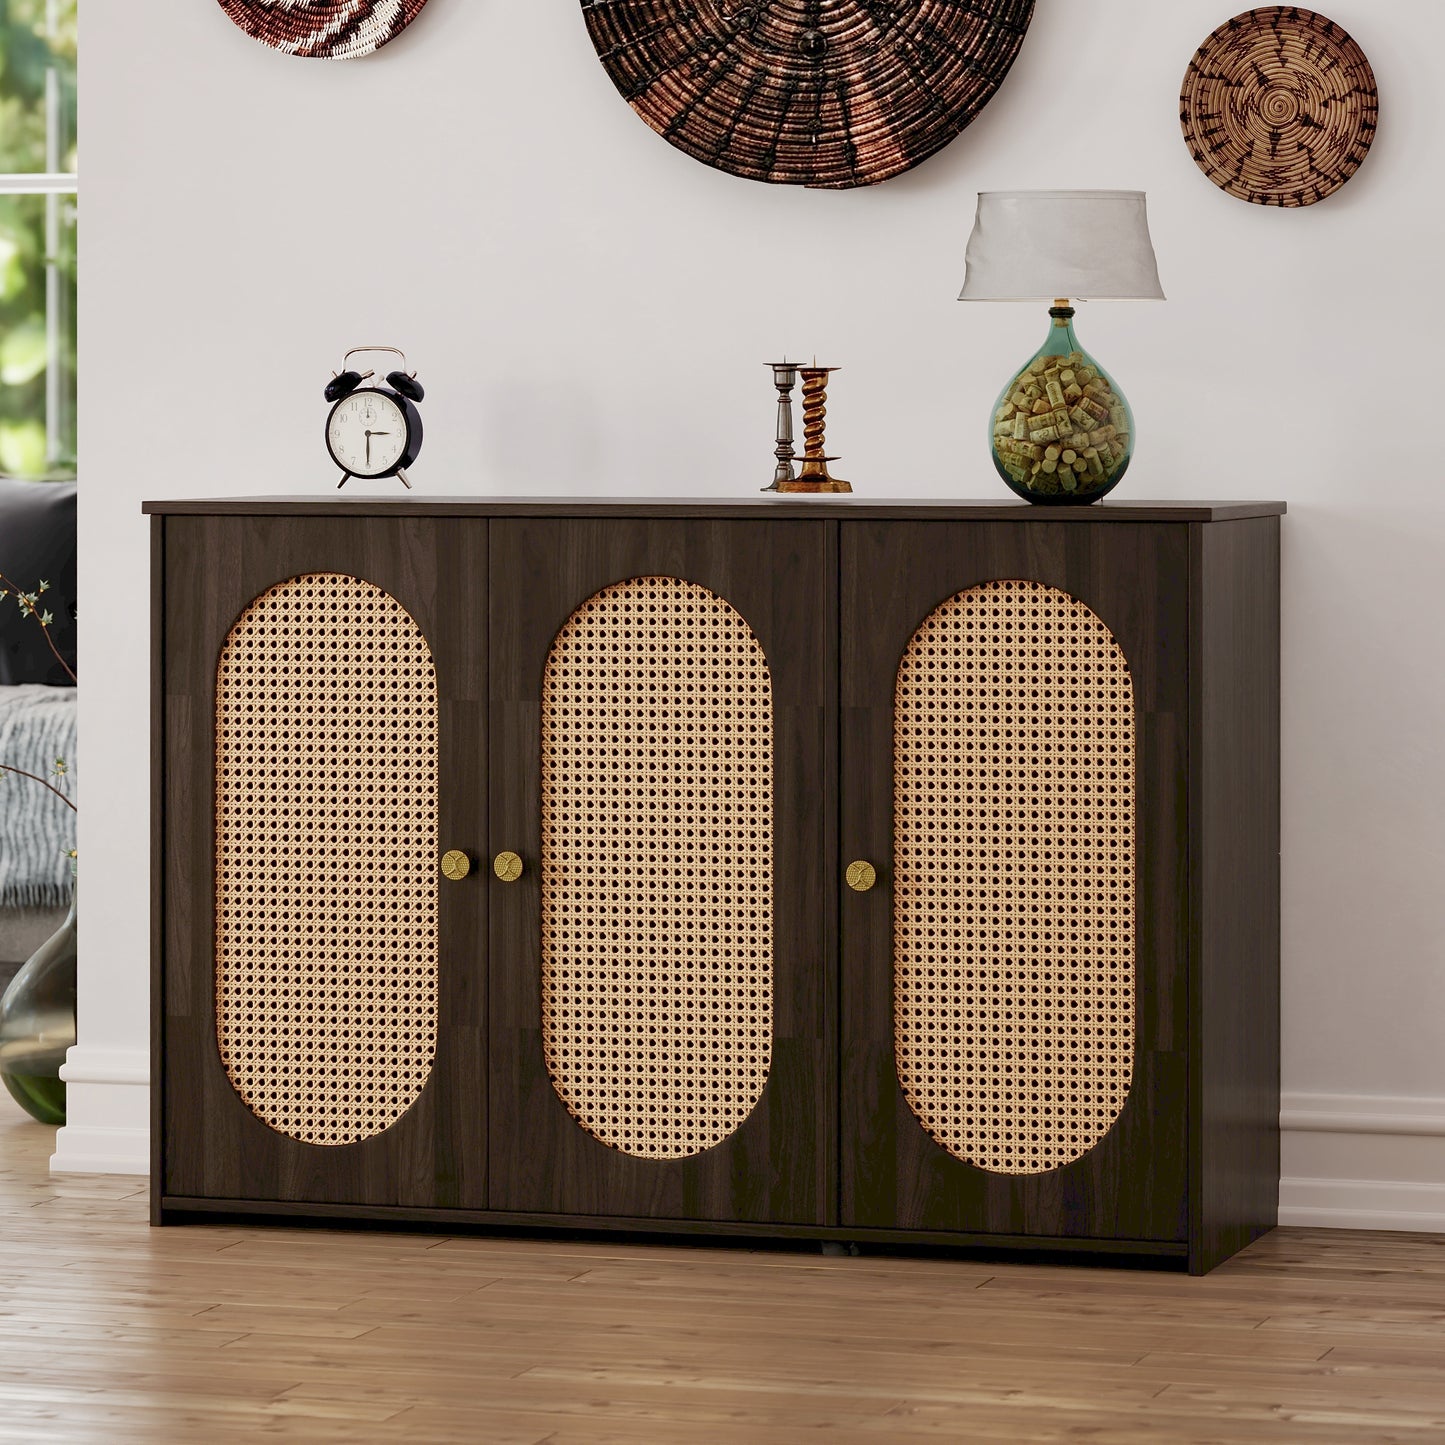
{"points": [[369, 436]]}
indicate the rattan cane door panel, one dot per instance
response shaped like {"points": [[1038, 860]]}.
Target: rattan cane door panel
{"points": [[1013, 993], [326, 841], [1014, 877], [322, 1015], [660, 712], [657, 975]]}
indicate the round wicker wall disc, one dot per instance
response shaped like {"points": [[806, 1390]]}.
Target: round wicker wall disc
{"points": [[830, 93], [1279, 106], [324, 29]]}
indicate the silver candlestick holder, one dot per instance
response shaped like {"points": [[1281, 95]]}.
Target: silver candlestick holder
{"points": [[785, 378]]}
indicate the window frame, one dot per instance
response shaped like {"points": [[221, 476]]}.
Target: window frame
{"points": [[55, 185]]}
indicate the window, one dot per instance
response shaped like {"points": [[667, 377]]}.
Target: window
{"points": [[38, 200]]}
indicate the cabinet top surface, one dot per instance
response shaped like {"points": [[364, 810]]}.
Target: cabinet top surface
{"points": [[854, 507]]}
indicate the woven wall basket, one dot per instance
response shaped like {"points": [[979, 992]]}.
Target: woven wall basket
{"points": [[1279, 106], [829, 93], [324, 29]]}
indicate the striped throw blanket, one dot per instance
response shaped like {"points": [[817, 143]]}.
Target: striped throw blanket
{"points": [[37, 830]]}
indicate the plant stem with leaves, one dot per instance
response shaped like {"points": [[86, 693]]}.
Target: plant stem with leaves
{"points": [[60, 770], [30, 607]]}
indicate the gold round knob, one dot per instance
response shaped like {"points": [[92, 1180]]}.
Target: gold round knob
{"points": [[507, 867], [456, 865], [861, 876]]}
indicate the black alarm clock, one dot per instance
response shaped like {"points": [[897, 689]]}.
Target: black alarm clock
{"points": [[374, 431]]}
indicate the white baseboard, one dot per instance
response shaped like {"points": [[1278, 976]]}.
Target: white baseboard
{"points": [[79, 1150], [1360, 1204], [1362, 1161], [1349, 1161], [107, 1110]]}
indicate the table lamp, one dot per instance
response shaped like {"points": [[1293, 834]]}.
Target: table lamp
{"points": [[1061, 431]]}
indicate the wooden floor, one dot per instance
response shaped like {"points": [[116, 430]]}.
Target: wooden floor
{"points": [[113, 1332]]}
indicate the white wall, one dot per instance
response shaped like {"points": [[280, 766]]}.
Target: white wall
{"points": [[590, 311]]}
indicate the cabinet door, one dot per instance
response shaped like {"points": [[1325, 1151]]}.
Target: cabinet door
{"points": [[661, 705], [1013, 1002], [322, 989]]}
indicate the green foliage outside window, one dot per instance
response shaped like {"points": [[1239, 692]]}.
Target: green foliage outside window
{"points": [[37, 239]]}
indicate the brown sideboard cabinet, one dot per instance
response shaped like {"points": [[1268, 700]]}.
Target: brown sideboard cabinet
{"points": [[816, 869]]}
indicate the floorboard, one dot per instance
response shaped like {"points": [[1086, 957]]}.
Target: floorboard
{"points": [[113, 1332]]}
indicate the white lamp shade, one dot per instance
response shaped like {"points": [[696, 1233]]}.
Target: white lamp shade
{"points": [[1042, 245]]}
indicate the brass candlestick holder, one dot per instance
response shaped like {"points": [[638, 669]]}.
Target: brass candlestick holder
{"points": [[814, 476]]}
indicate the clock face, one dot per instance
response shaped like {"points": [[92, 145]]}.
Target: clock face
{"points": [[367, 433]]}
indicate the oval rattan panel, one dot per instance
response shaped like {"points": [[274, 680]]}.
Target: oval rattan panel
{"points": [[1279, 106], [833, 94], [324, 29], [326, 842], [657, 867], [1014, 876]]}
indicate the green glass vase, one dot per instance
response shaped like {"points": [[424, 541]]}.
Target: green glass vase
{"points": [[1062, 432], [37, 1025]]}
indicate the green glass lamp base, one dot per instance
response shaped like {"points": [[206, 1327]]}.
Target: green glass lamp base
{"points": [[1062, 432], [37, 1025], [41, 1098]]}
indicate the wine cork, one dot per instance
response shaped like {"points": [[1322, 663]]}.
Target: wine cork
{"points": [[1061, 427]]}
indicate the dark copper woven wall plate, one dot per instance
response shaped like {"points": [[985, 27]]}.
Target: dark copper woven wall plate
{"points": [[828, 93], [324, 29], [1279, 106]]}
